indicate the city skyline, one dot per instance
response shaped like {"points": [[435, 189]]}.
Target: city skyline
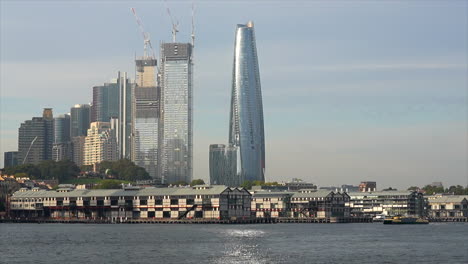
{"points": [[389, 105]]}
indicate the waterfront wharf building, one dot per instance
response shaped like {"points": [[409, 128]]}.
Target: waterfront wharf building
{"points": [[146, 117], [267, 204], [198, 202], [176, 136], [447, 206], [246, 129], [223, 165], [319, 204], [100, 144], [35, 139], [387, 203]]}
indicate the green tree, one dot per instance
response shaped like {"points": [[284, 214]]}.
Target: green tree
{"points": [[197, 182], [109, 184], [182, 183], [457, 190], [429, 189], [413, 188], [247, 184]]}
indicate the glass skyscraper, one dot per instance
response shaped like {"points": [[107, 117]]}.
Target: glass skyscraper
{"points": [[223, 166], [124, 130], [105, 102], [246, 129], [145, 122], [176, 127], [79, 120]]}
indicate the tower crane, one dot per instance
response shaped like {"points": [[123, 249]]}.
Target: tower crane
{"points": [[146, 37], [175, 23]]}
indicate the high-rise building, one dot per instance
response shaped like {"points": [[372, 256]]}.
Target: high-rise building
{"points": [[105, 101], [35, 138], [100, 144], [78, 145], [176, 129], [124, 130], [246, 129], [145, 122], [62, 128], [10, 159], [80, 115], [223, 166]]}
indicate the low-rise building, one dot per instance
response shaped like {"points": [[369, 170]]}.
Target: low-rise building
{"points": [[206, 202], [448, 206], [386, 202], [319, 204]]}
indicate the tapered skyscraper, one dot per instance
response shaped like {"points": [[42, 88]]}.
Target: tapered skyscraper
{"points": [[246, 121]]}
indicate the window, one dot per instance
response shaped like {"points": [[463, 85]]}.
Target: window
{"points": [[158, 202], [143, 202], [174, 201], [114, 202]]}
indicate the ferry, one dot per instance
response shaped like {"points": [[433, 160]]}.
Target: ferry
{"points": [[400, 220]]}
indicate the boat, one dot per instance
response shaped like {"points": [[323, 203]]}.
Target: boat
{"points": [[379, 218], [401, 220]]}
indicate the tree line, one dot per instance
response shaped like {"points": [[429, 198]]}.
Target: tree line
{"points": [[66, 170]]}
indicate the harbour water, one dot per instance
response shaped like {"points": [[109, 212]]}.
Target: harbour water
{"points": [[260, 243]]}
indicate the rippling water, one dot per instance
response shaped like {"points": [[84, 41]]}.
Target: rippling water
{"points": [[268, 243]]}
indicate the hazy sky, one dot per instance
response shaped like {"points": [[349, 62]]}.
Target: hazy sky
{"points": [[352, 91]]}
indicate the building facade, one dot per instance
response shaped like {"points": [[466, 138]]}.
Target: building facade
{"points": [[124, 131], [223, 166], [368, 186], [319, 204], [62, 147], [78, 146], [267, 204], [80, 117], [35, 138], [246, 129], [448, 206], [176, 129], [199, 202], [105, 102], [387, 202], [146, 117], [10, 159], [100, 144]]}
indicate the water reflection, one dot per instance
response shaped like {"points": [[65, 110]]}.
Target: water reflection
{"points": [[242, 246]]}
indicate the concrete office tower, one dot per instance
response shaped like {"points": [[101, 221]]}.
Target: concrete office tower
{"points": [[78, 145], [124, 130], [145, 122], [79, 120], [10, 159], [223, 166], [100, 144], [246, 120], [105, 101], [62, 148], [35, 138], [176, 112]]}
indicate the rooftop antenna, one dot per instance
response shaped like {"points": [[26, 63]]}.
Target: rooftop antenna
{"points": [[175, 23], [146, 37]]}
